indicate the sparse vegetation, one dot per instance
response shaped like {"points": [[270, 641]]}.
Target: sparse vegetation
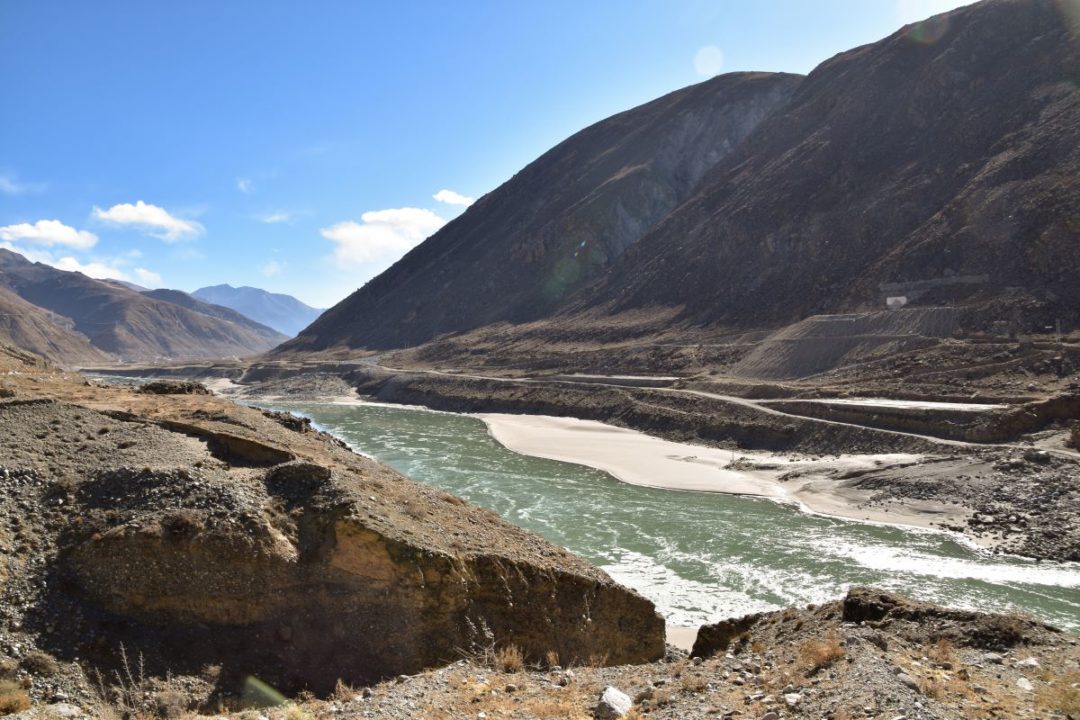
{"points": [[817, 654], [510, 659], [695, 683], [1060, 694], [13, 698], [941, 652]]}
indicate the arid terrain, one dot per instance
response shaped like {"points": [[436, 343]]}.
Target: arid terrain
{"points": [[855, 291], [142, 527]]}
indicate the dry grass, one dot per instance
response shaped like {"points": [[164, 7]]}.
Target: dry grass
{"points": [[597, 660], [1061, 694], [551, 658], [941, 652], [343, 692], [510, 659], [932, 687], [817, 654], [695, 684], [13, 698], [39, 662]]}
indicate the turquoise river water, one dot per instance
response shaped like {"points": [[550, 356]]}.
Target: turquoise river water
{"points": [[700, 557]]}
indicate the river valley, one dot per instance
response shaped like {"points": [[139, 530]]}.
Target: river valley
{"points": [[699, 556]]}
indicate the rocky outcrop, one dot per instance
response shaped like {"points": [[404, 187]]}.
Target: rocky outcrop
{"points": [[307, 592], [901, 617], [173, 387], [197, 532]]}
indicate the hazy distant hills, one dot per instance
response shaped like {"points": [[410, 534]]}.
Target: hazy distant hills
{"points": [[941, 163], [73, 319], [284, 313]]}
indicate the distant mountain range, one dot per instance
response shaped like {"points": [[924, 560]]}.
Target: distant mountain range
{"points": [[72, 319], [940, 164], [284, 313]]}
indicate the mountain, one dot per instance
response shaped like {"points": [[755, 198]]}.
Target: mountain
{"points": [[43, 333], [945, 172], [126, 324], [521, 250], [183, 299], [941, 164], [284, 313]]}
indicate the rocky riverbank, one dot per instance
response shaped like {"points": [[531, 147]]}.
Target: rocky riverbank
{"points": [[167, 528], [869, 655]]}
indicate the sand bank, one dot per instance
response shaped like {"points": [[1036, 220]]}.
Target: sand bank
{"points": [[639, 459]]}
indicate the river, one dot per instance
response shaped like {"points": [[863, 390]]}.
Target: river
{"points": [[700, 557]]}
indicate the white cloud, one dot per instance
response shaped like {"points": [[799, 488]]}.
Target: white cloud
{"points": [[109, 268], [452, 198], [245, 185], [49, 233], [151, 218], [94, 269], [272, 268], [708, 61], [381, 234], [147, 278], [277, 216]]}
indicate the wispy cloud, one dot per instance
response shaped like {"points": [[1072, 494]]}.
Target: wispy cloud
{"points": [[709, 61], [272, 268], [147, 278], [450, 197], [9, 185], [151, 219], [276, 216], [245, 185], [381, 234], [49, 233]]}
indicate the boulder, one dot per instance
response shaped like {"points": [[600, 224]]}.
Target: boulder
{"points": [[614, 704]]}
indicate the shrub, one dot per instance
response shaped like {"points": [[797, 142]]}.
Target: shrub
{"points": [[39, 662], [13, 698], [817, 654], [509, 659]]}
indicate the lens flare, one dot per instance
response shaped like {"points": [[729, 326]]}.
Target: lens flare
{"points": [[929, 31], [260, 694]]}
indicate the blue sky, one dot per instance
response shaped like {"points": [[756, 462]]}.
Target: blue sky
{"points": [[300, 146]]}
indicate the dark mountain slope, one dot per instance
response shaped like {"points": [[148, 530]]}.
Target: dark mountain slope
{"points": [[521, 250], [282, 312], [125, 323], [32, 328], [950, 168], [183, 299]]}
